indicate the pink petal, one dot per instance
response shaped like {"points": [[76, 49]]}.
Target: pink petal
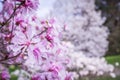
{"points": [[36, 53]]}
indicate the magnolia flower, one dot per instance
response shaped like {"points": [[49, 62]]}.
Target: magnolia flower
{"points": [[26, 5], [30, 4], [4, 75], [24, 42]]}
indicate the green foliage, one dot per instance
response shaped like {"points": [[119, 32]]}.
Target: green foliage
{"points": [[12, 68], [13, 77]]}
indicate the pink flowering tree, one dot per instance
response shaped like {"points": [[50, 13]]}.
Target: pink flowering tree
{"points": [[30, 43]]}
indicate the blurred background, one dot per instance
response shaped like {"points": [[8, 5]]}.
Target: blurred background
{"points": [[109, 8]]}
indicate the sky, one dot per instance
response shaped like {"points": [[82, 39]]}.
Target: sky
{"points": [[45, 7], [0, 6]]}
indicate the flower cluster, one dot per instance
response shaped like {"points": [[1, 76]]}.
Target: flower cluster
{"points": [[31, 43], [40, 47], [81, 65]]}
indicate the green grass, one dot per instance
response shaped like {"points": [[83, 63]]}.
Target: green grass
{"points": [[113, 59], [108, 78], [101, 78]]}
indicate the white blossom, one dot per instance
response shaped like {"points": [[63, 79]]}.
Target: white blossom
{"points": [[84, 26]]}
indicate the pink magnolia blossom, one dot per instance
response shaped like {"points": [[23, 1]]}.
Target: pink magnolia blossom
{"points": [[27, 4], [4, 75], [41, 47], [32, 43]]}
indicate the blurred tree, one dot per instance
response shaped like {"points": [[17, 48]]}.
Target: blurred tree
{"points": [[111, 9], [84, 28]]}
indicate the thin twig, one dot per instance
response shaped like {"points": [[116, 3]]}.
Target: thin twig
{"points": [[40, 33], [10, 57]]}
